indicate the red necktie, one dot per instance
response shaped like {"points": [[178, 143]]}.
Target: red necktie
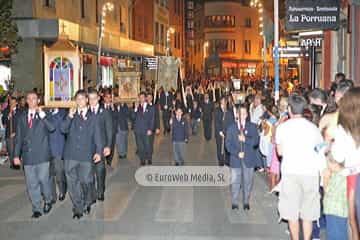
{"points": [[30, 122], [81, 115], [142, 108], [93, 110]]}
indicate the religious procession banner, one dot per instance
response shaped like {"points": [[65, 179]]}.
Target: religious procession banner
{"points": [[167, 73], [129, 86], [62, 74]]}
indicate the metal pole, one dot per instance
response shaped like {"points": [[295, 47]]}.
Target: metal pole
{"points": [[353, 40], [276, 48], [98, 67], [265, 67]]}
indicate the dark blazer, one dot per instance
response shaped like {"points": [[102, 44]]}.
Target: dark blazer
{"points": [[144, 120], [221, 120], [165, 100], [234, 146], [195, 113], [104, 119], [180, 129], [83, 138], [122, 116], [156, 117], [57, 138], [32, 144], [207, 111]]}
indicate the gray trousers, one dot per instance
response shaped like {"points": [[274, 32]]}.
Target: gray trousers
{"points": [[98, 187], [122, 142], [143, 147], [38, 184], [57, 177], [244, 175], [194, 126], [179, 149], [80, 179]]}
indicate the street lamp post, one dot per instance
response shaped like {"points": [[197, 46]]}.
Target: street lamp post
{"points": [[106, 7], [206, 45], [258, 4]]}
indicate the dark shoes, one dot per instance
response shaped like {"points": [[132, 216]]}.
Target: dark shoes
{"points": [[142, 163], [15, 167], [150, 162], [77, 216], [61, 197], [47, 208], [87, 210], [246, 207], [36, 215], [234, 207], [101, 198]]}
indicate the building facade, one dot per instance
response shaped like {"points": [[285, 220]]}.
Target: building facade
{"points": [[41, 22], [227, 40]]}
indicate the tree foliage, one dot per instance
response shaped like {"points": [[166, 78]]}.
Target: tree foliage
{"points": [[8, 29]]}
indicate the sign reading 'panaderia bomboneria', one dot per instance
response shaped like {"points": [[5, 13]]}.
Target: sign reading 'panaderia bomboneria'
{"points": [[312, 15]]}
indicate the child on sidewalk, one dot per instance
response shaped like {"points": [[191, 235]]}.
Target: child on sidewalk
{"points": [[180, 136], [335, 201]]}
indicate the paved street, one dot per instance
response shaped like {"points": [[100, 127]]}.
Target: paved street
{"points": [[134, 212]]}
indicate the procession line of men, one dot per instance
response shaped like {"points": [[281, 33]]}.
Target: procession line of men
{"points": [[70, 149]]}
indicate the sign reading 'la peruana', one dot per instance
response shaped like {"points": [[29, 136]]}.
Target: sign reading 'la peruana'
{"points": [[312, 15]]}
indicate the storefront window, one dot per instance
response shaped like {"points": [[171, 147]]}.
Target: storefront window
{"points": [[221, 46]]}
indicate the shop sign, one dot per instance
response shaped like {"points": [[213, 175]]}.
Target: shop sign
{"points": [[312, 15]]}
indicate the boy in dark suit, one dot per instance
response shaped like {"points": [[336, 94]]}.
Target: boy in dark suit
{"points": [[32, 146], [83, 149], [180, 136], [241, 139]]}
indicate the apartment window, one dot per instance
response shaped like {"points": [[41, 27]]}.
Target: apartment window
{"points": [[157, 39], [162, 36], [82, 8], [220, 21], [222, 46], [248, 22], [49, 3], [247, 46]]}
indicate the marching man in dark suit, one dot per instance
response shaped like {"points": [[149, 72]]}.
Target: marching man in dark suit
{"points": [[241, 139], [166, 99], [83, 148], [122, 127], [207, 115], [9, 120], [104, 119], [143, 128], [57, 142], [222, 119], [109, 107], [156, 127], [32, 147]]}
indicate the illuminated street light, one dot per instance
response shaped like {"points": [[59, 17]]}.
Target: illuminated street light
{"points": [[170, 31], [107, 7]]}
